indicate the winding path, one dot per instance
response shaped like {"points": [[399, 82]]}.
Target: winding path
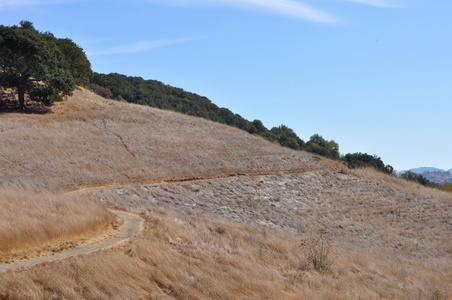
{"points": [[132, 225]]}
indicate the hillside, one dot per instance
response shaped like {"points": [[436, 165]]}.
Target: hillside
{"points": [[89, 140], [228, 215], [438, 177]]}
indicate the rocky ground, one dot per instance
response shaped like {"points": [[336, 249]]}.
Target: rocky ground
{"points": [[351, 211]]}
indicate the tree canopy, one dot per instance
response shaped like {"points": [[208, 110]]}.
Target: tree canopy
{"points": [[361, 160], [75, 61], [285, 136], [33, 63], [317, 144]]}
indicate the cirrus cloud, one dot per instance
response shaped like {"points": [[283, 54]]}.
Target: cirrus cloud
{"points": [[286, 7], [292, 8], [139, 47], [378, 3]]}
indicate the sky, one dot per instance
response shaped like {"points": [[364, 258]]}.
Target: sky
{"points": [[375, 76]]}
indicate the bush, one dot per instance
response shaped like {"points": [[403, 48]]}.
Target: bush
{"points": [[447, 187], [320, 254], [438, 295], [317, 144]]}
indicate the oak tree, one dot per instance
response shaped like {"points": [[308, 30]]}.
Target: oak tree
{"points": [[32, 63]]}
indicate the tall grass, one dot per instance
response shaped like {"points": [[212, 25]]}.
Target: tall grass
{"points": [[29, 218], [178, 257]]}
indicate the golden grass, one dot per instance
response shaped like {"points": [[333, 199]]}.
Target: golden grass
{"points": [[88, 140], [178, 257], [29, 218]]}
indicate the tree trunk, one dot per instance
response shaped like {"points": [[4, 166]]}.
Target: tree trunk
{"points": [[21, 93]]}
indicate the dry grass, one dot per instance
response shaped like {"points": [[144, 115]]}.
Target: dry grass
{"points": [[241, 237], [394, 242], [29, 218], [178, 257], [89, 141]]}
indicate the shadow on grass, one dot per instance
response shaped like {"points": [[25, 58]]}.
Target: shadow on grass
{"points": [[32, 107]]}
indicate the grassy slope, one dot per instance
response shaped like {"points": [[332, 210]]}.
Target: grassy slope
{"points": [[89, 141], [30, 220], [394, 238]]}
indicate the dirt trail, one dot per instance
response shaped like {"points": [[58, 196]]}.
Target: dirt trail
{"points": [[132, 225], [224, 175]]}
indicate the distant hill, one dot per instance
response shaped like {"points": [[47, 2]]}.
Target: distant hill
{"points": [[433, 174], [424, 169], [438, 176]]}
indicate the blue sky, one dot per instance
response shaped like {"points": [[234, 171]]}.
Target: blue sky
{"points": [[374, 75]]}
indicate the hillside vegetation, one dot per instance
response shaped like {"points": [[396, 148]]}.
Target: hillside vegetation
{"points": [[228, 215]]}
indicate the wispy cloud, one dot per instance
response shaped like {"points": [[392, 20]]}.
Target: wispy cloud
{"points": [[18, 3], [136, 47], [292, 8], [286, 7], [378, 3]]}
